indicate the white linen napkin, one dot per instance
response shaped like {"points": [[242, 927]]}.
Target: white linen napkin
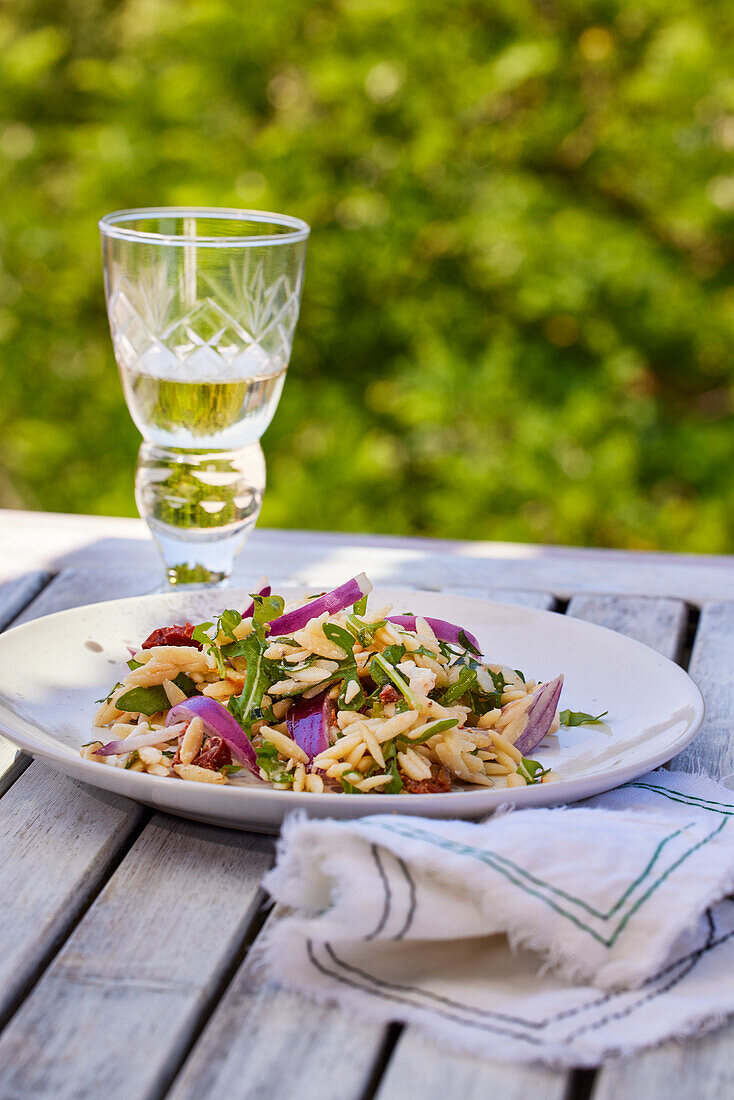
{"points": [[564, 935]]}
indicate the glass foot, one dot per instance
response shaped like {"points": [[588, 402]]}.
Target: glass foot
{"points": [[200, 507]]}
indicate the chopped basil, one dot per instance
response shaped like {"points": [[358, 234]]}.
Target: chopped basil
{"points": [[579, 718]]}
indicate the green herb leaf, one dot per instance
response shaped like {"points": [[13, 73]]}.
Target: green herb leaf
{"points": [[467, 680], [579, 718], [340, 637], [199, 633], [267, 608], [348, 787], [230, 769], [268, 759], [151, 700], [360, 606], [520, 674], [229, 620], [532, 771], [132, 664], [132, 759], [436, 727], [382, 671], [467, 644], [396, 784]]}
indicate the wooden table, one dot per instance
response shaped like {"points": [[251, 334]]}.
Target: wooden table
{"points": [[125, 935]]}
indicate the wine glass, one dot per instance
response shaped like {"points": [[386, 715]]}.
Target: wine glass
{"points": [[203, 305]]}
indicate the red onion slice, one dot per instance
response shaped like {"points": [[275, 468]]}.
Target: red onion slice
{"points": [[264, 591], [331, 602], [140, 740], [217, 720], [445, 632], [309, 722], [540, 715]]}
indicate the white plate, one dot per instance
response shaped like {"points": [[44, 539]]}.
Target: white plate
{"points": [[52, 670]]}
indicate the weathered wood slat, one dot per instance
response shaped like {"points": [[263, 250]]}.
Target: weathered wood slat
{"points": [[265, 1042], [57, 541], [712, 667], [543, 601], [704, 1067], [57, 842], [419, 1068], [658, 623], [15, 593], [58, 837], [116, 1009]]}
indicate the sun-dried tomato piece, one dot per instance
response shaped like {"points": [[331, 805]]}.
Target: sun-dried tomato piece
{"points": [[172, 635], [439, 783], [389, 694], [214, 752]]}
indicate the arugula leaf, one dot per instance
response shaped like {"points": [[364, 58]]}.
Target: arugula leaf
{"points": [[469, 646], [200, 635], [340, 637], [467, 680], [396, 784], [364, 632], [261, 673], [394, 653], [348, 787], [382, 671], [532, 771], [441, 726], [579, 718], [267, 608], [520, 674], [151, 700], [228, 622], [360, 606], [230, 769], [132, 759], [267, 758], [132, 664]]}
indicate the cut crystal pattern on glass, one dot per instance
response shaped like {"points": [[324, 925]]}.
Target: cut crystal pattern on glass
{"points": [[246, 332]]}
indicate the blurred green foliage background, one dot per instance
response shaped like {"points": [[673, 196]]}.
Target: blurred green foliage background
{"points": [[518, 319]]}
